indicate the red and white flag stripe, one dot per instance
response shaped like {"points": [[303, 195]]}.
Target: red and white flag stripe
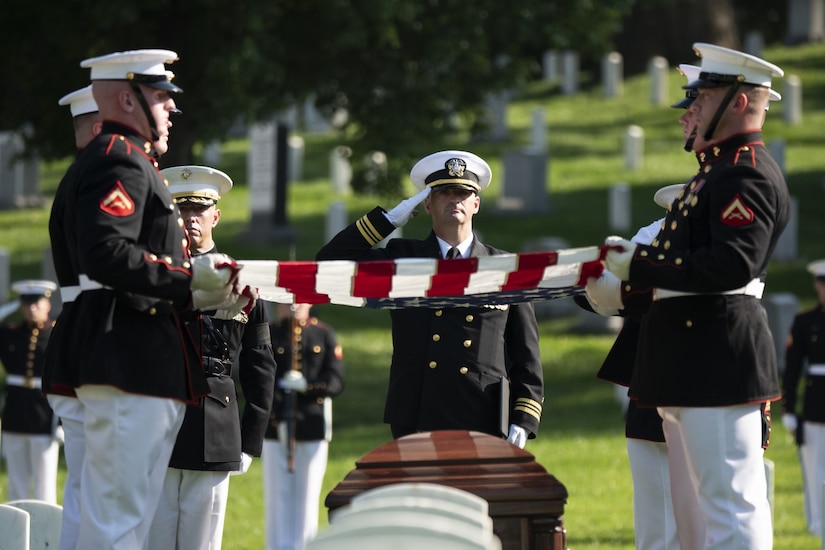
{"points": [[426, 282]]}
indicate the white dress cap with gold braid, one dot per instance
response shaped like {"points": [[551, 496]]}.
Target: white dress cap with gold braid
{"points": [[196, 184], [34, 288], [452, 170], [80, 101], [144, 66], [723, 66]]}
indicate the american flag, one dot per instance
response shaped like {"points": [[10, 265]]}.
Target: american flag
{"points": [[426, 282]]}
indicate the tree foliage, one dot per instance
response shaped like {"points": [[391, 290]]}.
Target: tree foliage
{"points": [[402, 69]]}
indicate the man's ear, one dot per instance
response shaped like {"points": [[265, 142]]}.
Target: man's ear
{"points": [[124, 99], [427, 203], [216, 217]]}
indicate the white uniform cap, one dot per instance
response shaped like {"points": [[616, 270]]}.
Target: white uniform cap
{"points": [[691, 73], [450, 170], [817, 268], [80, 101], [196, 184], [144, 66], [723, 66], [34, 287], [665, 196]]}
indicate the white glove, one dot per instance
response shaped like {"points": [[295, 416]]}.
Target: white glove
{"points": [[618, 261], [790, 423], [646, 234], [293, 381], [405, 209], [604, 293], [517, 436], [213, 271], [246, 461], [208, 300], [240, 306], [59, 435]]}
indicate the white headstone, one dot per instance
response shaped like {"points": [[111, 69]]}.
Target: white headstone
{"points": [[340, 170], [634, 147], [295, 150], [550, 65], [658, 70], [336, 219], [212, 153], [497, 109], [792, 99], [538, 130], [524, 182], [570, 72], [787, 245], [261, 169], [612, 74], [754, 43], [619, 207], [805, 21], [314, 121], [11, 184]]}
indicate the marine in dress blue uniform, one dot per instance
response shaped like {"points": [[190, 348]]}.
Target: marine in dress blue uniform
{"points": [[310, 374], [127, 283], [805, 418], [29, 442], [448, 364], [706, 358], [216, 438]]}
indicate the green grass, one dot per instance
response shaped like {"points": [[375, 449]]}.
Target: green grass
{"points": [[581, 440]]}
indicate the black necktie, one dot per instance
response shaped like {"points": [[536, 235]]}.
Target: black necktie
{"points": [[452, 253]]}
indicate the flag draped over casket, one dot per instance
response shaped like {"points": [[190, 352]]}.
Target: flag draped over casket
{"points": [[426, 282]]}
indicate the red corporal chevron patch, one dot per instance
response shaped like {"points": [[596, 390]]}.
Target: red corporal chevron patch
{"points": [[117, 202], [736, 213]]}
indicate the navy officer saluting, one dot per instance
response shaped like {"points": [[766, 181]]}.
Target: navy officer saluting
{"points": [[448, 364]]}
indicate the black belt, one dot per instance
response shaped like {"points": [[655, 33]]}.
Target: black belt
{"points": [[213, 366]]}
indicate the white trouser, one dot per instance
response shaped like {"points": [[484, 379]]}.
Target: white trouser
{"points": [[292, 499], [70, 411], [720, 450], [31, 459], [653, 518], [813, 468], [191, 511], [129, 439]]}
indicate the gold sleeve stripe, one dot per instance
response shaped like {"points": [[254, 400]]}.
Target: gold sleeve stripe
{"points": [[529, 406], [368, 230]]}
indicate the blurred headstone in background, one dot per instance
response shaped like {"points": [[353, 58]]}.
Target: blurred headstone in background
{"points": [[619, 207], [340, 169], [19, 176], [792, 99], [524, 182], [550, 66], [295, 148], [634, 147], [754, 43], [788, 243], [657, 70], [612, 74], [806, 21], [781, 308], [570, 72]]}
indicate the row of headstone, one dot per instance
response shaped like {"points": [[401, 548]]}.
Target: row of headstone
{"points": [[806, 21], [19, 176]]}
